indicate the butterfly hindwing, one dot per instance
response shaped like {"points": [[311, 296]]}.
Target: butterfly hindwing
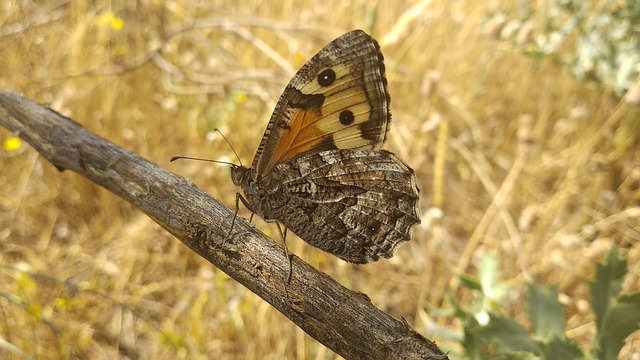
{"points": [[361, 204]]}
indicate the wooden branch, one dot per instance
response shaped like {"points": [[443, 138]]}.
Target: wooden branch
{"points": [[343, 320]]}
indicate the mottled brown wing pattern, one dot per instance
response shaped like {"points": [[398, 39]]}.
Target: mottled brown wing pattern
{"points": [[356, 204]]}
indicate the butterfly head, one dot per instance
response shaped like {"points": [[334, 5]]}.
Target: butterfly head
{"points": [[241, 175]]}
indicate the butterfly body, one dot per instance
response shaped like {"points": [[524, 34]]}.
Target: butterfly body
{"points": [[319, 170]]}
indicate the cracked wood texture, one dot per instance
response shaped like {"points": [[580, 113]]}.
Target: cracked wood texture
{"points": [[343, 320]]}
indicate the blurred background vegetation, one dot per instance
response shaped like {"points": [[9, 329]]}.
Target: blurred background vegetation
{"points": [[520, 118]]}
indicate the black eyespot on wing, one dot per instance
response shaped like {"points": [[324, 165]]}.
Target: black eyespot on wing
{"points": [[346, 117], [326, 77]]}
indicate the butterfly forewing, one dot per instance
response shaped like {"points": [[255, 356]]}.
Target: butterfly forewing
{"points": [[338, 100]]}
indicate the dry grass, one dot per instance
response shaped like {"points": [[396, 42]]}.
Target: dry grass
{"points": [[517, 154]]}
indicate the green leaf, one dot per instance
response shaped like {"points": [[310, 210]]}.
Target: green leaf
{"points": [[607, 284], [470, 282], [562, 349], [508, 335], [489, 273], [621, 318], [545, 311], [472, 342], [458, 310]]}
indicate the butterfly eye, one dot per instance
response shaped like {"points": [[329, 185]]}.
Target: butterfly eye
{"points": [[346, 117], [326, 77]]}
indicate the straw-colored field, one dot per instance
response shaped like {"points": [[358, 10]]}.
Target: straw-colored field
{"points": [[515, 153]]}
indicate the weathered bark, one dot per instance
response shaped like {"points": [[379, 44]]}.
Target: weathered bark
{"points": [[343, 320]]}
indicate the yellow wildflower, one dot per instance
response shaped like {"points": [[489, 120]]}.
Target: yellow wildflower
{"points": [[12, 144], [110, 19]]}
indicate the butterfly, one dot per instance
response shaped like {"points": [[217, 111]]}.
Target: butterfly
{"points": [[319, 170]]}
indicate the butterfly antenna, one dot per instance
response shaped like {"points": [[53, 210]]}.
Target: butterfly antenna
{"points": [[174, 158], [228, 142]]}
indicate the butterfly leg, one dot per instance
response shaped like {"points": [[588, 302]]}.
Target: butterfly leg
{"points": [[239, 198], [283, 235]]}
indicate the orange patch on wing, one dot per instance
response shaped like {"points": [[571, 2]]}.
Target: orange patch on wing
{"points": [[303, 135]]}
